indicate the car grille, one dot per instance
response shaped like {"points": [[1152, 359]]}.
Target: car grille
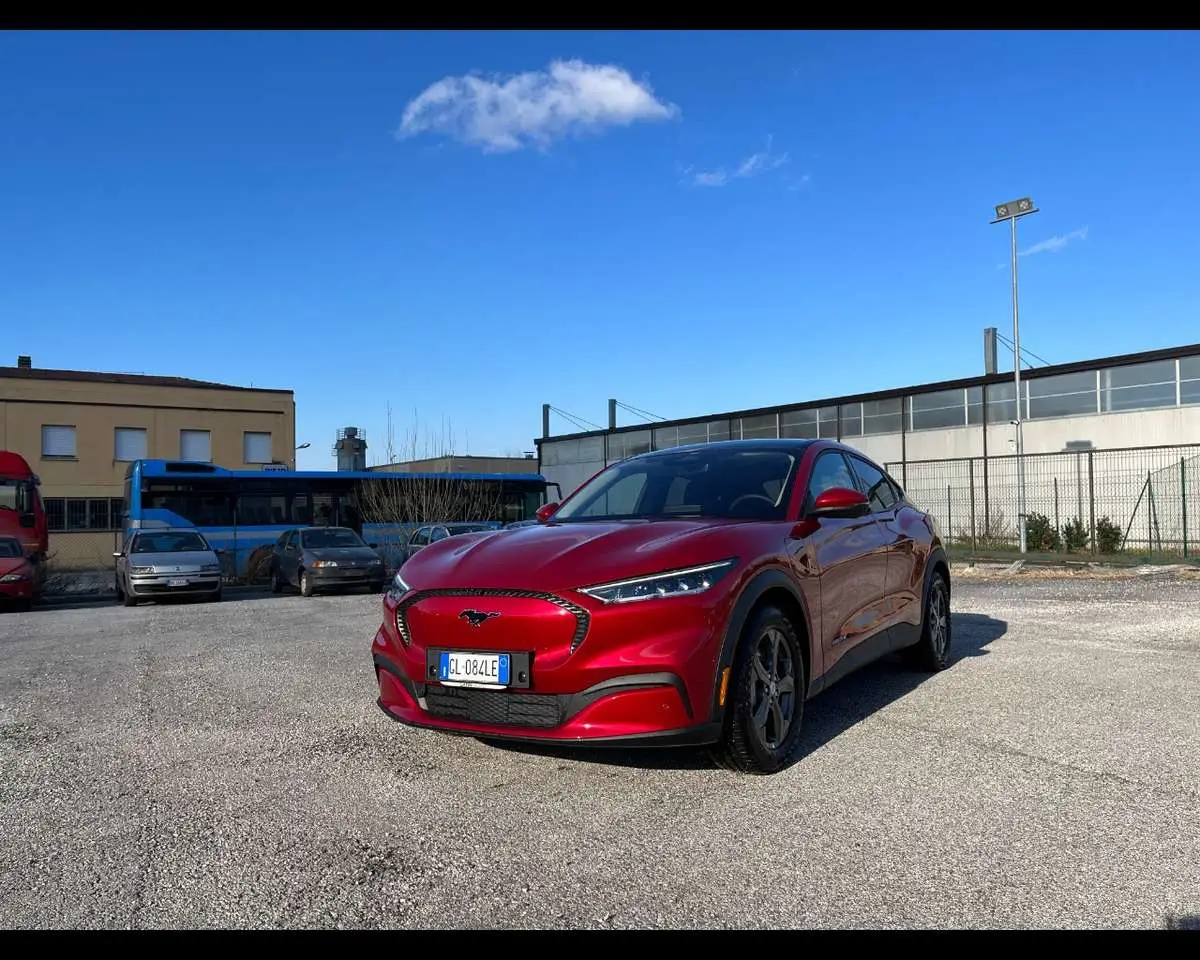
{"points": [[582, 617], [494, 707]]}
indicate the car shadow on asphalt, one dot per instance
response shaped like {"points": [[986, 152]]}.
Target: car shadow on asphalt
{"points": [[826, 717]]}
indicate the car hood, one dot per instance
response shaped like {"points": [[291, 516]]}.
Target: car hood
{"points": [[189, 558], [13, 565], [555, 557], [341, 553]]}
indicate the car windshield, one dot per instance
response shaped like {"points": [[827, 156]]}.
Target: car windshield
{"points": [[172, 542], [10, 548], [8, 496], [331, 537], [458, 528], [716, 482]]}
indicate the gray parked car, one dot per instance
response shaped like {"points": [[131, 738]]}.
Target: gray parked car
{"points": [[162, 562], [322, 558], [424, 536]]}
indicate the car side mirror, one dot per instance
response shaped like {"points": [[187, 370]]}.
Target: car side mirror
{"points": [[117, 554], [373, 546], [840, 502], [545, 512], [219, 552], [28, 520]]}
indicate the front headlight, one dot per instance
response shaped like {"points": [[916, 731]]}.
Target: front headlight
{"points": [[13, 578], [673, 583], [211, 568], [325, 563], [140, 570], [399, 587]]}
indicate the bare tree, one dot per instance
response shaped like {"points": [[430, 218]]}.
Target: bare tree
{"points": [[397, 505]]}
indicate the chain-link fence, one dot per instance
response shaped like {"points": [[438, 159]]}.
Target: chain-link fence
{"points": [[1143, 501]]}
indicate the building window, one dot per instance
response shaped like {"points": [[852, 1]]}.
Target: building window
{"points": [[82, 514], [58, 443], [256, 447], [764, 427], [622, 445], [1001, 406], [940, 410], [799, 423], [1189, 380], [1067, 395], [196, 445], [129, 444], [881, 416], [1140, 386], [851, 420]]}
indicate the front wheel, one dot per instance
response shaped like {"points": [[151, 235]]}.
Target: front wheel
{"points": [[306, 585], [768, 688], [932, 651]]}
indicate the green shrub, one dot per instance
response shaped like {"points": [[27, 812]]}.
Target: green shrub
{"points": [[1109, 536], [1040, 534], [1075, 535]]}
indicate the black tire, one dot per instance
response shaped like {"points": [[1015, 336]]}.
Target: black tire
{"points": [[128, 599], [24, 606], [216, 597], [768, 657], [276, 584], [306, 585], [932, 651]]}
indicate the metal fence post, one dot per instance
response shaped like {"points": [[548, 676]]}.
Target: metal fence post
{"points": [[949, 518], [1183, 501], [1057, 525], [971, 479], [1092, 498]]}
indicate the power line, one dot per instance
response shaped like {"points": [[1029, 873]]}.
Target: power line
{"points": [[1025, 353], [637, 411], [582, 424]]}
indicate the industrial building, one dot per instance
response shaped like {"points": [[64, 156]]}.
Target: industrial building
{"points": [[81, 429], [1113, 440]]}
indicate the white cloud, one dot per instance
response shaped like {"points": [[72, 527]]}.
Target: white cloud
{"points": [[756, 163], [1055, 243], [506, 113]]}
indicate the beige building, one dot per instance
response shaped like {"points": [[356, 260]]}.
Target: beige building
{"points": [[80, 430]]}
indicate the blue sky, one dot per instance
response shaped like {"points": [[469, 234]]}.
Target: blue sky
{"points": [[690, 222]]}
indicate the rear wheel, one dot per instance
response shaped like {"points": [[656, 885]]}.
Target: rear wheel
{"points": [[768, 688], [932, 651], [306, 584]]}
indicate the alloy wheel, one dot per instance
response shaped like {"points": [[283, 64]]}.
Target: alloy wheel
{"points": [[773, 693]]}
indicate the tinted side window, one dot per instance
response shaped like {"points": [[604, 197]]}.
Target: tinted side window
{"points": [[830, 470], [420, 538], [621, 499], [875, 485]]}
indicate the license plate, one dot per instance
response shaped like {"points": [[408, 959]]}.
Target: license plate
{"points": [[475, 669], [177, 582]]}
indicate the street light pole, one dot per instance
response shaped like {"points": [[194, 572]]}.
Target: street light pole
{"points": [[1011, 212]]}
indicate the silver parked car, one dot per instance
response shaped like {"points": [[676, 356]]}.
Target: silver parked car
{"points": [[163, 562]]}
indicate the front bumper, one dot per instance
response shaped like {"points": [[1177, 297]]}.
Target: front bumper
{"points": [[617, 676], [19, 590], [347, 576], [180, 584]]}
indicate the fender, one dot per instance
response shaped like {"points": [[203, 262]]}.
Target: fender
{"points": [[936, 554], [763, 581]]}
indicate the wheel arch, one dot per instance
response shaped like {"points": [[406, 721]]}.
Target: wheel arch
{"points": [[937, 563], [769, 587]]}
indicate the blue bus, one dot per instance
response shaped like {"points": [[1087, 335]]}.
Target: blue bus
{"points": [[244, 512]]}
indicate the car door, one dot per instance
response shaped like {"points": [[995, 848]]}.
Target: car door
{"points": [[289, 563], [903, 578], [849, 555]]}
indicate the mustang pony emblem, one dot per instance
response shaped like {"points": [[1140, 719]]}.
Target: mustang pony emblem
{"points": [[475, 618]]}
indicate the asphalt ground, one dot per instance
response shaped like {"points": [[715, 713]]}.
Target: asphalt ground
{"points": [[226, 765]]}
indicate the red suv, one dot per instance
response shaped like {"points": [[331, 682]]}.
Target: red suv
{"points": [[694, 595]]}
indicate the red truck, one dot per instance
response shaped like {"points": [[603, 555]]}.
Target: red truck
{"points": [[22, 515]]}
